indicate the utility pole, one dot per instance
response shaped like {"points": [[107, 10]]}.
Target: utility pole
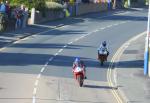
{"points": [[148, 38], [146, 54]]}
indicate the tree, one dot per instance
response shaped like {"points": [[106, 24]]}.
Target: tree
{"points": [[38, 4]]}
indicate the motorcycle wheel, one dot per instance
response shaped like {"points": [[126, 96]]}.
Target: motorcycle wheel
{"points": [[102, 63], [80, 80]]}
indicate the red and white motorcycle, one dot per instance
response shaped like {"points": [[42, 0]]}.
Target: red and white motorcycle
{"points": [[78, 73]]}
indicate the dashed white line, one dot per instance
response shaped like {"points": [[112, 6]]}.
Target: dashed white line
{"points": [[70, 42], [102, 28], [50, 59], [36, 82], [39, 76], [76, 39], [116, 24], [95, 30], [83, 36], [56, 54], [34, 91], [33, 99], [109, 26], [46, 64], [65, 46], [60, 50], [42, 69]]}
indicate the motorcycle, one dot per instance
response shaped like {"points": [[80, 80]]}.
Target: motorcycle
{"points": [[102, 57], [79, 75]]}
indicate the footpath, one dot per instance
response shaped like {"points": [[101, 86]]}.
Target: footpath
{"points": [[133, 85], [9, 37]]}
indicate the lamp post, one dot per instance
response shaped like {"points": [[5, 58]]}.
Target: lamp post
{"points": [[146, 54], [148, 38]]}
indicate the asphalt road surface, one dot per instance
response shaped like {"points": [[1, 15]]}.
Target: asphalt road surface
{"points": [[38, 69]]}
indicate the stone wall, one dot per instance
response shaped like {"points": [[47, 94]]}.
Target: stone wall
{"points": [[90, 8], [37, 17], [77, 9]]}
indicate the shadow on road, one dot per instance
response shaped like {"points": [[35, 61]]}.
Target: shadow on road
{"points": [[98, 87], [130, 64]]}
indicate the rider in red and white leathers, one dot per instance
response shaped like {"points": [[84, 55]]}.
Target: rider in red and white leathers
{"points": [[79, 63]]}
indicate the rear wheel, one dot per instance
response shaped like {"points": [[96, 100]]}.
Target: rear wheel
{"points": [[102, 63]]}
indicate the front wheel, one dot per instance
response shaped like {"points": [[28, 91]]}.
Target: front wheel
{"points": [[80, 80]]}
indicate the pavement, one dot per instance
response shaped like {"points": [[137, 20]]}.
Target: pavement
{"points": [[134, 86], [9, 37], [131, 81]]}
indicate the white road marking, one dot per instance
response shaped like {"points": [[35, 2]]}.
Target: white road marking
{"points": [[39, 76], [103, 28], [34, 91], [76, 39], [116, 24], [42, 69], [46, 64], [36, 82], [70, 42], [56, 54], [60, 50], [50, 59], [33, 99], [95, 30], [65, 46], [109, 26]]}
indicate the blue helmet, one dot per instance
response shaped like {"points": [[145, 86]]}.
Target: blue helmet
{"points": [[104, 43], [77, 59]]}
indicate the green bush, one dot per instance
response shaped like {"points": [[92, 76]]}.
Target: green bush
{"points": [[54, 6], [38, 4], [58, 1]]}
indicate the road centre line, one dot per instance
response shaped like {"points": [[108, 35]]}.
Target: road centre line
{"points": [[109, 71], [70, 42], [56, 54], [60, 50], [34, 91], [109, 26], [46, 64], [50, 59], [103, 28], [33, 99], [65, 46], [36, 83], [42, 69], [116, 24], [39, 76]]}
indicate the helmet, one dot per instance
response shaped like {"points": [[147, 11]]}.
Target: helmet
{"points": [[104, 43], [77, 59]]}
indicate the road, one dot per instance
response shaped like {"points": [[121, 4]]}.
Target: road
{"points": [[37, 69]]}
